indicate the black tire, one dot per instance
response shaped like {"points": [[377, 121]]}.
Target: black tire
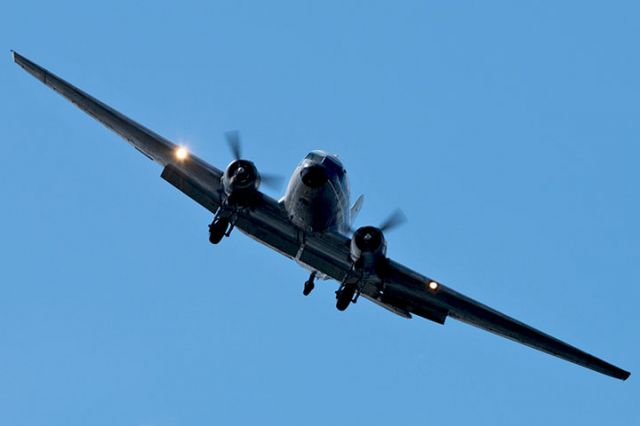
{"points": [[345, 296], [308, 287], [217, 230]]}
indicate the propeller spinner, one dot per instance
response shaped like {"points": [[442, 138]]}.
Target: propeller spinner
{"points": [[368, 244]]}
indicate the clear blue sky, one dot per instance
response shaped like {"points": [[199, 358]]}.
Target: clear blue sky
{"points": [[508, 133]]}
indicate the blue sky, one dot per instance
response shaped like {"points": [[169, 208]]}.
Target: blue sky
{"points": [[507, 133]]}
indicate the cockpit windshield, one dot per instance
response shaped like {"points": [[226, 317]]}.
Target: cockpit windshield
{"points": [[316, 156]]}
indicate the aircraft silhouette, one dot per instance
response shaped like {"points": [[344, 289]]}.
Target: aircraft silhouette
{"points": [[312, 224]]}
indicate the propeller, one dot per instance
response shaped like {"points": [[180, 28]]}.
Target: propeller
{"points": [[272, 181], [233, 140], [269, 180], [394, 220]]}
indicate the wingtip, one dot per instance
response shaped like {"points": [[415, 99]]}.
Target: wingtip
{"points": [[619, 374], [15, 56]]}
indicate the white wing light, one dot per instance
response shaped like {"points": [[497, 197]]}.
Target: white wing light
{"points": [[182, 153]]}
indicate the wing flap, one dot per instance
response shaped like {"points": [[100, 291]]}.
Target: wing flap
{"points": [[189, 187]]}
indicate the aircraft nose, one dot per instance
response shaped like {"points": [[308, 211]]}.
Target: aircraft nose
{"points": [[314, 176]]}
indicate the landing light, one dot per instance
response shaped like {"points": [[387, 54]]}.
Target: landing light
{"points": [[182, 153], [433, 286]]}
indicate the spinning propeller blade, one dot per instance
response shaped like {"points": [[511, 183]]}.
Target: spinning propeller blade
{"points": [[233, 140], [394, 220], [272, 181]]}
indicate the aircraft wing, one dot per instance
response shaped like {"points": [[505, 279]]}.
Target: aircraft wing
{"points": [[144, 140], [404, 291], [416, 290]]}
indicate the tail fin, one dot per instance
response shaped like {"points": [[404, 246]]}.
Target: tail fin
{"points": [[356, 208]]}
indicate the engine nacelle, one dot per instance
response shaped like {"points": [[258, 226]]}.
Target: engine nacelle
{"points": [[368, 247], [240, 178]]}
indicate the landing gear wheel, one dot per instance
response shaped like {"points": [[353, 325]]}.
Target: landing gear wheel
{"points": [[217, 230], [344, 296], [308, 287]]}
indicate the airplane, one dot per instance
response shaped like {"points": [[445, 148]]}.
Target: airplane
{"points": [[312, 224]]}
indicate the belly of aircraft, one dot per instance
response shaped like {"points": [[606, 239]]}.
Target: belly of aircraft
{"points": [[314, 209]]}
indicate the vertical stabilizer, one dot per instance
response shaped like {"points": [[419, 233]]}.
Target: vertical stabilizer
{"points": [[356, 208]]}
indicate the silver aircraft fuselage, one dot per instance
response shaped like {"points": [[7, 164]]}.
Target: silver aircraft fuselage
{"points": [[317, 197]]}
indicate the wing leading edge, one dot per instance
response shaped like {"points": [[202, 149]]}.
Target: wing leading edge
{"points": [[151, 144], [405, 292]]}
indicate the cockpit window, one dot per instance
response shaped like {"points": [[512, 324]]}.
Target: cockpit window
{"points": [[315, 156], [334, 165]]}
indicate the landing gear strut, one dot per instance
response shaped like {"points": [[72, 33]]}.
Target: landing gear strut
{"points": [[345, 295], [309, 285]]}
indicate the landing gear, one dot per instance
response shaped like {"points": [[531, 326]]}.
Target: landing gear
{"points": [[309, 285], [218, 229], [345, 295]]}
